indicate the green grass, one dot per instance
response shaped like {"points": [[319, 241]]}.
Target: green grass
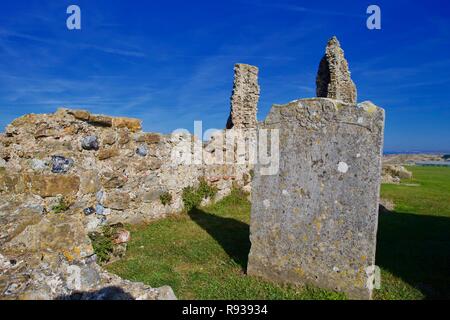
{"points": [[413, 247], [203, 254], [427, 193]]}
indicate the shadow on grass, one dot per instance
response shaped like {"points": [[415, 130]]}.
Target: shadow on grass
{"points": [[231, 234], [416, 248]]}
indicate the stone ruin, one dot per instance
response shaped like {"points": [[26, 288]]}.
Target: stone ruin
{"points": [[333, 78], [313, 222], [107, 172], [245, 97]]}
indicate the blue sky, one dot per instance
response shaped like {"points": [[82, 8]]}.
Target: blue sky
{"points": [[171, 62]]}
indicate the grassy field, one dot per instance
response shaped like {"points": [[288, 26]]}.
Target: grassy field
{"points": [[203, 254], [413, 247]]}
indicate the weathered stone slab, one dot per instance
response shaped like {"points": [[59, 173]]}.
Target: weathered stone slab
{"points": [[100, 120], [89, 182], [113, 180], [117, 200], [124, 137], [43, 132], [64, 235], [149, 138], [104, 154], [52, 185], [132, 124], [80, 114], [109, 138], [12, 182], [315, 221], [43, 185]]}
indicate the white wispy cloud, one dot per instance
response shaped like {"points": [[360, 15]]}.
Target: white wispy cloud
{"points": [[117, 51], [302, 9]]}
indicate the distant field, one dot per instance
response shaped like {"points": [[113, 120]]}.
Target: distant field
{"points": [[203, 254]]}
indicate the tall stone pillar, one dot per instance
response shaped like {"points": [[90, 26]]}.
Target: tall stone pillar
{"points": [[333, 78], [245, 97]]}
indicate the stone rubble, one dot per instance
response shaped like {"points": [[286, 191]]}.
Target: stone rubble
{"points": [[392, 174]]}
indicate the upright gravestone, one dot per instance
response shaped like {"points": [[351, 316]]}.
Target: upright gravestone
{"points": [[315, 220]]}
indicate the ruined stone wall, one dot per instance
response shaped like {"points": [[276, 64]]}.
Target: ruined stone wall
{"points": [[67, 174], [103, 163]]}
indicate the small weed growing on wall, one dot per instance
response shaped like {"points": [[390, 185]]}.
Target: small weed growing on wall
{"points": [[206, 190], [62, 206], [102, 243], [237, 192], [192, 197], [166, 198]]}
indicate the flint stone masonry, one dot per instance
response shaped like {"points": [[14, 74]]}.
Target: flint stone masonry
{"points": [[61, 164], [315, 222], [245, 97], [103, 158], [107, 171], [89, 143], [51, 257], [333, 78], [142, 150]]}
